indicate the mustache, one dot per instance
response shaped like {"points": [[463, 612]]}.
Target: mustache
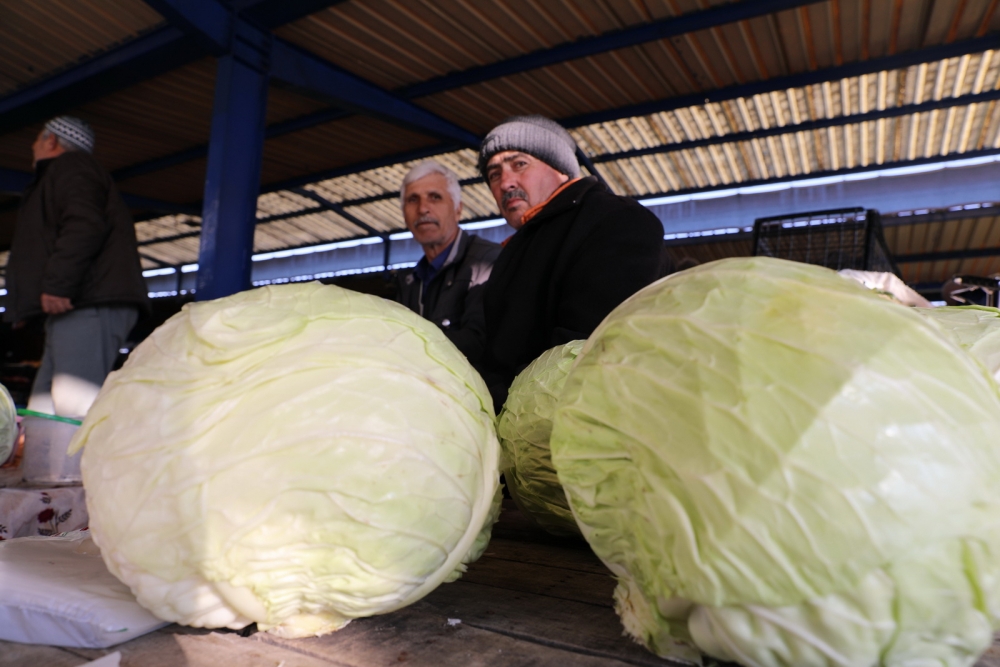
{"points": [[516, 193], [426, 218]]}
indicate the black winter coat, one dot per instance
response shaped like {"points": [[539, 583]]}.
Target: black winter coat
{"points": [[454, 298], [583, 254], [74, 238]]}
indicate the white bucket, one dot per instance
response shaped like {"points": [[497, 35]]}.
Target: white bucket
{"points": [[45, 460]]}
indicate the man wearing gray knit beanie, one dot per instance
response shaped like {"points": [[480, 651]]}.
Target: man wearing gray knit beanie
{"points": [[579, 250]]}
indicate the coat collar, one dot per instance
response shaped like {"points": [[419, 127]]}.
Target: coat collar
{"points": [[569, 196]]}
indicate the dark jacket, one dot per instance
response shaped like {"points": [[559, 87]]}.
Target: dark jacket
{"points": [[74, 238], [454, 298], [583, 254]]}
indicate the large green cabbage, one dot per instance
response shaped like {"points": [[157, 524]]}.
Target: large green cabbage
{"points": [[783, 468], [296, 455], [975, 328], [524, 427]]}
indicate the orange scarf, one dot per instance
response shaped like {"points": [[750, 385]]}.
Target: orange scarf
{"points": [[537, 208]]}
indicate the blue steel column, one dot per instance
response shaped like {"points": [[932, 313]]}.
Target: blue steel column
{"points": [[232, 180]]}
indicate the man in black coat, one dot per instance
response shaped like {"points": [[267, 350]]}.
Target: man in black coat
{"points": [[446, 286], [578, 251], [74, 260]]}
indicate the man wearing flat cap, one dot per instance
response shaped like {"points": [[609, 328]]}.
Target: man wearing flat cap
{"points": [[578, 252], [73, 260]]}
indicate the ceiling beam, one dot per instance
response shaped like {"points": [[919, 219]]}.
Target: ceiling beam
{"points": [[775, 84], [327, 205], [733, 92], [618, 39], [887, 221], [15, 182], [361, 201], [890, 221], [201, 150], [941, 216], [311, 75], [357, 167], [385, 161], [737, 237], [275, 13], [817, 175], [892, 112], [206, 22], [220, 31], [943, 255], [153, 54]]}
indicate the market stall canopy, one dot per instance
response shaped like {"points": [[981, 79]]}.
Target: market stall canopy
{"points": [[663, 97]]}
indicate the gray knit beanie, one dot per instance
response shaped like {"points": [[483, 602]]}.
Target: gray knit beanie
{"points": [[74, 131], [537, 136]]}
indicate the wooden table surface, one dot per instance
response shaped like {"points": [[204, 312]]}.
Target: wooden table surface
{"points": [[530, 600]]}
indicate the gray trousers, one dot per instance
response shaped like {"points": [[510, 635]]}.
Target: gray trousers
{"points": [[80, 349]]}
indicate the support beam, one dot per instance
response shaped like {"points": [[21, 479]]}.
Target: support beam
{"points": [[232, 181], [619, 39], [163, 207], [894, 190], [311, 75], [892, 112], [943, 215], [160, 264], [143, 58], [14, 182], [276, 13], [938, 216], [736, 237], [327, 205], [205, 22], [776, 84], [944, 255], [732, 92], [361, 201], [357, 167], [586, 162], [200, 151], [215, 26]]}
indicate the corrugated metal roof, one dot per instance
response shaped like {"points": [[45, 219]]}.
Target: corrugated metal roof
{"points": [[30, 52]]}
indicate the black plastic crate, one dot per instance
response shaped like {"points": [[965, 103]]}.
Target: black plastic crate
{"points": [[849, 238]]}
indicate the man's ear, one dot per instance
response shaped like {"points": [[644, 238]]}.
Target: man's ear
{"points": [[458, 210]]}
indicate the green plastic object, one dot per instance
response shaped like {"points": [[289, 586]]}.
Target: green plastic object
{"points": [[56, 418]]}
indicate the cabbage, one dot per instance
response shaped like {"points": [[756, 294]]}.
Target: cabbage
{"points": [[975, 328], [295, 456], [783, 468], [524, 427]]}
